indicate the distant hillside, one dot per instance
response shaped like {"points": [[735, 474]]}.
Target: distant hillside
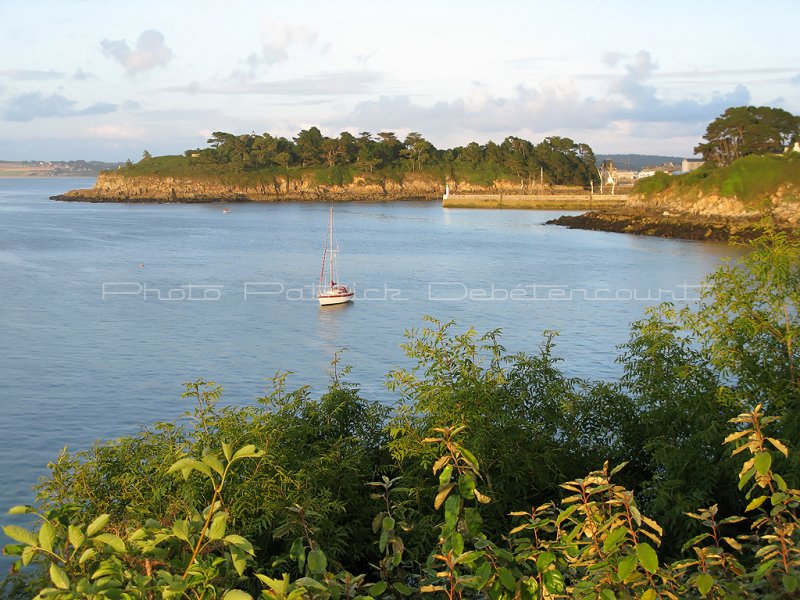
{"points": [[59, 168], [636, 162]]}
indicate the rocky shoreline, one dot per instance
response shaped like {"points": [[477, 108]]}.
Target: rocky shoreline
{"points": [[642, 222]]}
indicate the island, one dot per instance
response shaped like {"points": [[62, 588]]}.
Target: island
{"points": [[313, 167]]}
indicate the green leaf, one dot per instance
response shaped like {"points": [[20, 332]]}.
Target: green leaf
{"points": [[213, 461], [564, 514], [76, 537], [97, 525], [47, 535], [239, 559], [445, 475], [187, 465], [626, 566], [317, 562], [647, 557], [553, 581], [20, 534], [111, 540], [484, 572], [474, 521], [507, 579], [297, 548], [649, 595], [608, 595], [181, 529], [755, 503], [388, 523], [694, 541], [544, 560], [454, 542], [59, 577], [239, 542], [227, 451], [470, 458], [87, 554], [236, 595], [451, 510], [20, 509], [377, 589], [762, 462], [466, 486], [218, 525], [614, 538], [704, 583], [405, 590], [790, 583], [763, 568], [248, 451], [745, 477], [383, 540]]}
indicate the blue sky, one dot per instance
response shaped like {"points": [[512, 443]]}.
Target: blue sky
{"points": [[85, 79]]}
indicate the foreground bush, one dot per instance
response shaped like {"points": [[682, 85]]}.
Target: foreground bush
{"points": [[595, 543]]}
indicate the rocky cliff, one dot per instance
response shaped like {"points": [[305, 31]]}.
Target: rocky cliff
{"points": [[781, 205], [114, 186]]}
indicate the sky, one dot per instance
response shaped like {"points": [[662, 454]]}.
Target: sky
{"points": [[107, 80]]}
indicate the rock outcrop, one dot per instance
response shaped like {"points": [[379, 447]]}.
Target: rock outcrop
{"points": [[115, 187], [694, 215]]}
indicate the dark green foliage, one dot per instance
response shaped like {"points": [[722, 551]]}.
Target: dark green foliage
{"points": [[654, 184], [258, 160], [745, 130]]}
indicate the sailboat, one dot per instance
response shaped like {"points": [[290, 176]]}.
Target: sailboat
{"points": [[331, 292]]}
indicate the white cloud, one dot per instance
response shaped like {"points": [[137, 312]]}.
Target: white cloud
{"points": [[150, 52], [30, 74], [278, 42], [631, 105], [336, 84], [35, 105], [115, 132], [81, 75]]}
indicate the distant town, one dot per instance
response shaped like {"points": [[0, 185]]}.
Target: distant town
{"points": [[65, 168]]}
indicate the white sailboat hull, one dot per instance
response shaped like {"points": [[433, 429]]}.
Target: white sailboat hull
{"points": [[331, 297]]}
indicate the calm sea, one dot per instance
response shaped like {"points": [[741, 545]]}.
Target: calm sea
{"points": [[105, 309]]}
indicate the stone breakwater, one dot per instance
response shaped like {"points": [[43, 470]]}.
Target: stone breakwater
{"points": [[560, 201]]}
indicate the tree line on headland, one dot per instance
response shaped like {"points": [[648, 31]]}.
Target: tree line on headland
{"points": [[335, 161]]}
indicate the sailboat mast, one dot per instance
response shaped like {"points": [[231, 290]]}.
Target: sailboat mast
{"points": [[324, 257], [330, 235]]}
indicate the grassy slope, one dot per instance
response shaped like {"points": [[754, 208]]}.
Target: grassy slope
{"points": [[752, 179]]}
